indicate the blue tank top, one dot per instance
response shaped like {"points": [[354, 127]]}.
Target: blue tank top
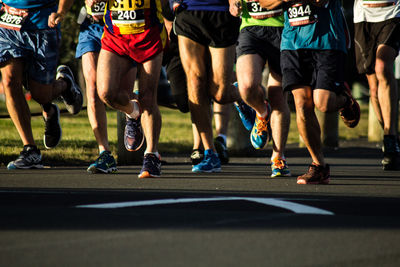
{"points": [[309, 27], [37, 19], [208, 5]]}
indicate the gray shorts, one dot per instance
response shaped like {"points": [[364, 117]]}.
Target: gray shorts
{"points": [[39, 49], [263, 41]]}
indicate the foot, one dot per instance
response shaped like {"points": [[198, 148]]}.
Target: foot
{"points": [[316, 174], [280, 168], [391, 154], [72, 97], [261, 132], [133, 134], [197, 156], [151, 166], [350, 113], [210, 163], [246, 113], [222, 151], [105, 163], [52, 131], [29, 158]]}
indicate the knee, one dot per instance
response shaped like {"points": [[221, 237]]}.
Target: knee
{"points": [[323, 107], [383, 71], [222, 94], [304, 107], [106, 97]]}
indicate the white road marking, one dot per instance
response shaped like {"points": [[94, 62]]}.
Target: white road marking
{"points": [[294, 207]]}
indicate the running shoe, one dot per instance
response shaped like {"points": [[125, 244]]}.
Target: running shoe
{"points": [[222, 151], [246, 113], [133, 134], [210, 163], [391, 154], [280, 168], [29, 158], [197, 156], [73, 98], [105, 163], [316, 174], [261, 132], [52, 131], [350, 113], [151, 166]]}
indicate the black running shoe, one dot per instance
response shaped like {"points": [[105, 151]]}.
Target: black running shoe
{"points": [[133, 134], [29, 158], [391, 154], [222, 151], [72, 97], [52, 131], [151, 166], [197, 156]]}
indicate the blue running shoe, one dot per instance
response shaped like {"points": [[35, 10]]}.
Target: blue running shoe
{"points": [[261, 132], [151, 166], [105, 163], [246, 113], [279, 168], [133, 134], [210, 163]]}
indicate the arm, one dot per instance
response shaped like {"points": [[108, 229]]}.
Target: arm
{"points": [[235, 7], [271, 4], [55, 18]]}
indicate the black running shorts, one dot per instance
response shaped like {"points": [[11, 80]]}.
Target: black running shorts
{"points": [[210, 28], [320, 69], [368, 36]]}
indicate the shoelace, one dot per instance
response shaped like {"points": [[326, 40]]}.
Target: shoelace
{"points": [[102, 157], [132, 123], [262, 125], [150, 160], [279, 163]]}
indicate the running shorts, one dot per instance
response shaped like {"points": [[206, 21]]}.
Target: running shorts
{"points": [[264, 41], [89, 38], [140, 47], [368, 36], [38, 48], [217, 29], [320, 69]]}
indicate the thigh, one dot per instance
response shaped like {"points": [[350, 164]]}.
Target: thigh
{"points": [[111, 70], [249, 69], [222, 60]]}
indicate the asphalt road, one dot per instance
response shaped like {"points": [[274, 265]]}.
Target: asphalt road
{"points": [[63, 216]]}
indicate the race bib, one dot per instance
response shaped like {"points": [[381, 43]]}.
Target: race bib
{"points": [[129, 15], [257, 12], [97, 10], [301, 14], [12, 18], [378, 3]]}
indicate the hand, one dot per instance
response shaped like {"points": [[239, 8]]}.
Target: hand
{"points": [[55, 19], [235, 8]]}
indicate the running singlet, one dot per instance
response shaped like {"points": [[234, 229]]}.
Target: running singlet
{"points": [[254, 15], [18, 14], [376, 10], [97, 10], [132, 16], [311, 27], [207, 5]]}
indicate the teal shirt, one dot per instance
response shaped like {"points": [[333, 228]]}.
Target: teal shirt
{"points": [[38, 19], [323, 28]]}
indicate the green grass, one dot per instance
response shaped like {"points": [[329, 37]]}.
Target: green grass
{"points": [[78, 146]]}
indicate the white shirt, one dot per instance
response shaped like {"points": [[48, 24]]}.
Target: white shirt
{"points": [[375, 10]]}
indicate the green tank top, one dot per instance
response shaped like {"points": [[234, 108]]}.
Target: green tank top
{"points": [[254, 15]]}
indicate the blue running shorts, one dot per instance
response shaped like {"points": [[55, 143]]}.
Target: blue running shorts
{"points": [[89, 38], [39, 48]]}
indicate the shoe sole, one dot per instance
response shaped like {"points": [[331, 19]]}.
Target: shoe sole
{"points": [[94, 170], [133, 150], [207, 171], [59, 125], [146, 174], [302, 181], [36, 166], [281, 175]]}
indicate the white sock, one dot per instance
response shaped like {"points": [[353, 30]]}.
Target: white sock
{"points": [[155, 153], [136, 110]]}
